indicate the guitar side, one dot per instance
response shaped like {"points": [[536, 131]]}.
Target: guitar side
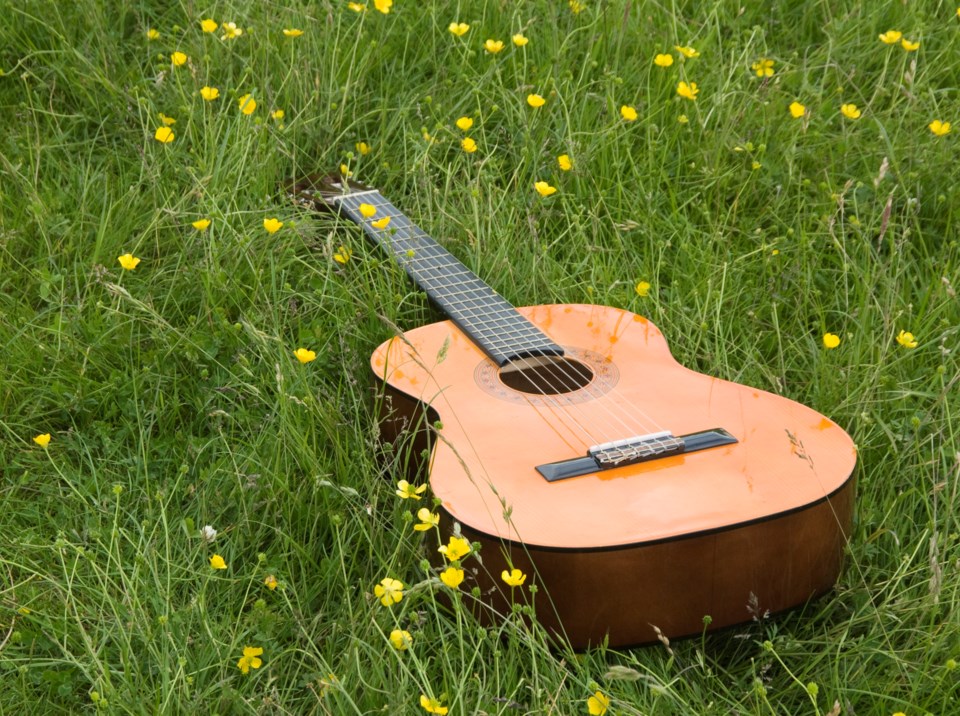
{"points": [[665, 542]]}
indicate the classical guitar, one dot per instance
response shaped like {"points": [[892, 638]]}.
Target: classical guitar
{"points": [[639, 495]]}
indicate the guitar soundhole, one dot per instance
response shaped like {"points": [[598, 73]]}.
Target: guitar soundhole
{"points": [[546, 375]]}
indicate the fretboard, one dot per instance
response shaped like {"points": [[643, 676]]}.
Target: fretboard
{"points": [[488, 319]]}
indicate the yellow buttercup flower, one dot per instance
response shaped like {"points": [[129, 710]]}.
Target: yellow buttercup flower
{"points": [[493, 46], [209, 25], [455, 548], [763, 67], [381, 223], [564, 162], [939, 128], [383, 5], [909, 46], [153, 34], [400, 639], [906, 339], [535, 100], [688, 91], [683, 119], [343, 255], [271, 582], [687, 51], [367, 210], [389, 591], [201, 224], [231, 31], [272, 225], [407, 491], [216, 561], [544, 189], [292, 32], [520, 39], [250, 659], [598, 704], [797, 110], [514, 577], [576, 7], [305, 355], [427, 519], [663, 60], [464, 123], [850, 111], [345, 171], [459, 28], [164, 135], [42, 440], [278, 114], [831, 340], [167, 121], [247, 104], [891, 37], [452, 577], [643, 289], [433, 706], [178, 58], [128, 261], [468, 145], [209, 93], [363, 148], [628, 113], [356, 6]]}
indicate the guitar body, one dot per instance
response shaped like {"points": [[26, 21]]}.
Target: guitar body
{"points": [[731, 532]]}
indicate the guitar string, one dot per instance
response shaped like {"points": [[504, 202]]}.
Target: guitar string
{"points": [[557, 374], [565, 376], [556, 370], [525, 362], [417, 271], [426, 275], [559, 370]]}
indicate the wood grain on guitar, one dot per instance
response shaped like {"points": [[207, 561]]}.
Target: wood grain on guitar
{"points": [[638, 493]]}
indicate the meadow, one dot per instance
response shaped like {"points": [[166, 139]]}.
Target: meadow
{"points": [[194, 516]]}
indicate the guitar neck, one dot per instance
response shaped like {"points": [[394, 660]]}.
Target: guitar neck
{"points": [[488, 319]]}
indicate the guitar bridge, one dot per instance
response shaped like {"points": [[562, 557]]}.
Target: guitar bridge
{"points": [[629, 451]]}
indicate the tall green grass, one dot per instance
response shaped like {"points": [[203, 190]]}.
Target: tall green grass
{"points": [[174, 401]]}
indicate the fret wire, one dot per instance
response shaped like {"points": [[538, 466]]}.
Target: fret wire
{"points": [[463, 290], [516, 329], [464, 286], [500, 309], [492, 329], [495, 310], [489, 312]]}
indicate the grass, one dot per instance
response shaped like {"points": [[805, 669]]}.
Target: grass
{"points": [[174, 400]]}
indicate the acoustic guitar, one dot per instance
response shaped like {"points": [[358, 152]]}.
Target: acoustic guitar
{"points": [[641, 497]]}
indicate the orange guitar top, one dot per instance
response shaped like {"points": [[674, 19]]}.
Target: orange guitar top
{"points": [[787, 456]]}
